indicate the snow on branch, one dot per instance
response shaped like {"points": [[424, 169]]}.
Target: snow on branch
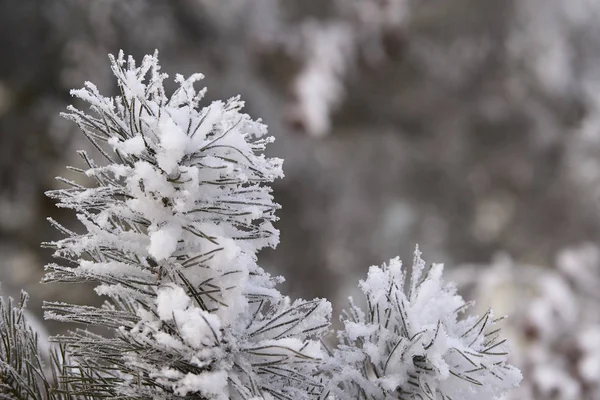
{"points": [[179, 209], [23, 374], [172, 224], [409, 342]]}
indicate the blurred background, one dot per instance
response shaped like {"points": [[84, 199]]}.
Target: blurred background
{"points": [[469, 127]]}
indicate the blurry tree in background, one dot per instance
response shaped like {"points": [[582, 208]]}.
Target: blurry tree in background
{"points": [[554, 323], [469, 127]]}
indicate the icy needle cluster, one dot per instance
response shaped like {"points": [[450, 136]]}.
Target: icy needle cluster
{"points": [[178, 209], [410, 342], [22, 374]]}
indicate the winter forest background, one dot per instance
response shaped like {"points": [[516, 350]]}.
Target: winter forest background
{"points": [[469, 127]]}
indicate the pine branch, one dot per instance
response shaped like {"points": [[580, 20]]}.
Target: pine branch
{"points": [[22, 372], [411, 344], [172, 226], [179, 209]]}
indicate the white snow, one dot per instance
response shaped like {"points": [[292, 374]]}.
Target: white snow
{"points": [[421, 323], [551, 381], [173, 143], [212, 385], [169, 299], [163, 242], [589, 365], [198, 328], [319, 87], [186, 213], [133, 146]]}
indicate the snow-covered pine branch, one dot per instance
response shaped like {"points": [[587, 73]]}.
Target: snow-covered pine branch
{"points": [[410, 342], [23, 374], [179, 209]]}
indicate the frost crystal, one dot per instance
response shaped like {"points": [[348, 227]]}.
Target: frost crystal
{"points": [[411, 344], [172, 227]]}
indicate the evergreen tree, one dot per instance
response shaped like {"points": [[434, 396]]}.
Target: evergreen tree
{"points": [[173, 221]]}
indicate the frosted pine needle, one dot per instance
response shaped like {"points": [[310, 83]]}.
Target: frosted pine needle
{"points": [[410, 343], [179, 209]]}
